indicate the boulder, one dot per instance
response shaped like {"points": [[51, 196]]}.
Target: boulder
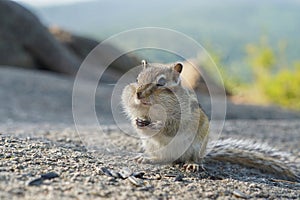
{"points": [[26, 42], [82, 46]]}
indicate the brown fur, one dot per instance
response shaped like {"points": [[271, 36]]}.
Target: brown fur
{"points": [[179, 118], [177, 129]]}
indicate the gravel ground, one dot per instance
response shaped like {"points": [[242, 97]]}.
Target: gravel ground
{"points": [[91, 172], [43, 156]]}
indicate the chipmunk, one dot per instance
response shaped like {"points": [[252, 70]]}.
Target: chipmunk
{"points": [[175, 129]]}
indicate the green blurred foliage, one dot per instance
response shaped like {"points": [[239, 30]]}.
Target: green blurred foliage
{"points": [[282, 87], [261, 58], [276, 80]]}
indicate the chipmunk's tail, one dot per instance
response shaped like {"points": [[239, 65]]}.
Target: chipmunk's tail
{"points": [[257, 155]]}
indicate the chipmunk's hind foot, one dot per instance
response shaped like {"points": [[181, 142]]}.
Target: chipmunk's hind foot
{"points": [[193, 167]]}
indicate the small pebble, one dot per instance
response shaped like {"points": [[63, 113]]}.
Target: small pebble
{"points": [[125, 173], [138, 174], [115, 174], [135, 181], [170, 175], [36, 182], [179, 177], [212, 177], [158, 177], [106, 171], [49, 175], [239, 194], [39, 181], [110, 172], [147, 188]]}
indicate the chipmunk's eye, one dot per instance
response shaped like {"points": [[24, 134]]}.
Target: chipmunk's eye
{"points": [[161, 81]]}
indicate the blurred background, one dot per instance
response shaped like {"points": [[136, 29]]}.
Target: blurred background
{"points": [[255, 44]]}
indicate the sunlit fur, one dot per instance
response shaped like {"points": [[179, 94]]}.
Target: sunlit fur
{"points": [[184, 125], [179, 129]]}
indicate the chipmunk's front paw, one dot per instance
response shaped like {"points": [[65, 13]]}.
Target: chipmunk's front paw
{"points": [[141, 159], [156, 125], [144, 123], [141, 123], [193, 167]]}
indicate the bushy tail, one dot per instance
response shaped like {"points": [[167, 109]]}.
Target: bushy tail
{"points": [[257, 155]]}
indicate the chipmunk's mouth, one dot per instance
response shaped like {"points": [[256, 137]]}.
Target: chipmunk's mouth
{"points": [[146, 103]]}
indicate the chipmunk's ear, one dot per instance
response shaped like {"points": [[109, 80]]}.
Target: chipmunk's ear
{"points": [[144, 64], [178, 67]]}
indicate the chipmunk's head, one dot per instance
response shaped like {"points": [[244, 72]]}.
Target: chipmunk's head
{"points": [[156, 79]]}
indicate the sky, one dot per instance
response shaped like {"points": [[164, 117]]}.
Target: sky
{"points": [[47, 2]]}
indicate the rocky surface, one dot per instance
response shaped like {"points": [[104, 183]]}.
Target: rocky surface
{"points": [[44, 156], [37, 97], [82, 46], [26, 42], [107, 170]]}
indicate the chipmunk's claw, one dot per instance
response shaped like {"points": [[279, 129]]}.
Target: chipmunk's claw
{"points": [[142, 122], [156, 125], [193, 167], [141, 159]]}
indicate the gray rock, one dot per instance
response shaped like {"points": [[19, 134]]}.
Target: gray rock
{"points": [[39, 97], [26, 42], [82, 46]]}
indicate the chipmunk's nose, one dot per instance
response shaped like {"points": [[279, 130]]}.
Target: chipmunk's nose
{"points": [[139, 95]]}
